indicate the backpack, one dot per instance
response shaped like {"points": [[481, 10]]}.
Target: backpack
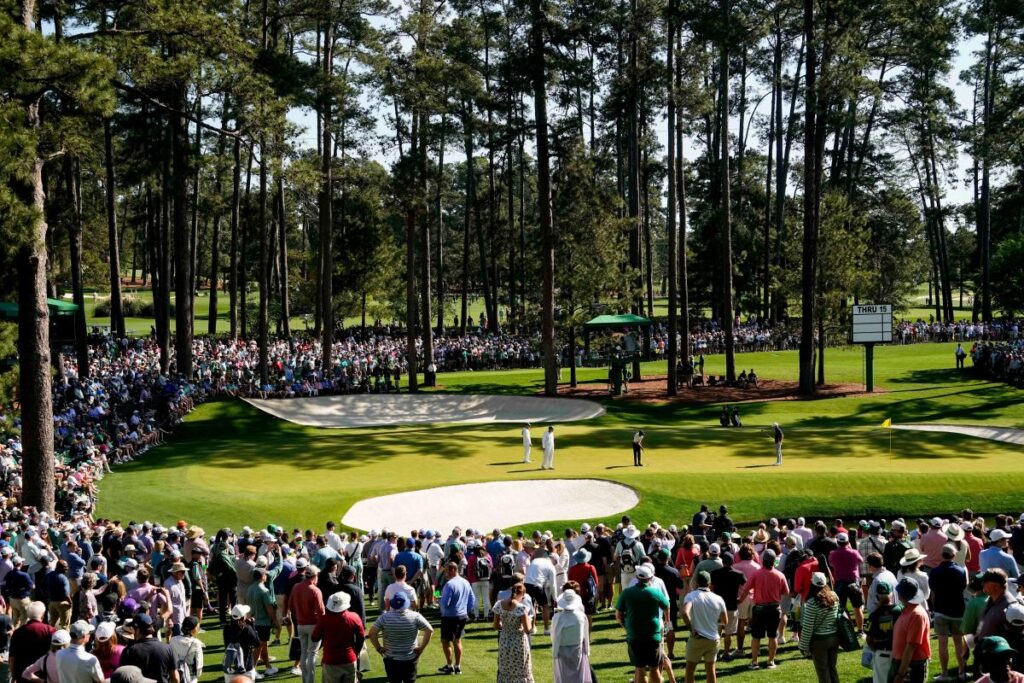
{"points": [[483, 569], [234, 659], [186, 673], [507, 565], [626, 559]]}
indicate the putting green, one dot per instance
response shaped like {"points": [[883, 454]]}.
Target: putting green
{"points": [[230, 464]]}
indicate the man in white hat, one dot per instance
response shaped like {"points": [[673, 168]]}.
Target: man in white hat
{"points": [[527, 442], [341, 634], [547, 442], [996, 557], [910, 568], [639, 611], [627, 554], [74, 664]]}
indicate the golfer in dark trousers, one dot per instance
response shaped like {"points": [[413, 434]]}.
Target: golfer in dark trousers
{"points": [[638, 449]]}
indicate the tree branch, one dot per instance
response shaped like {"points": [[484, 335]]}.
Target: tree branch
{"points": [[132, 90]]}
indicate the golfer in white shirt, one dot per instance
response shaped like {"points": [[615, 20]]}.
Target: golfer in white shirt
{"points": [[527, 443], [547, 442]]}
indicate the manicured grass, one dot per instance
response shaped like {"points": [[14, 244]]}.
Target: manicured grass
{"points": [[230, 464]]}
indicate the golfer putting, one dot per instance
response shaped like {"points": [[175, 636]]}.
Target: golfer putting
{"points": [[778, 436], [527, 443]]}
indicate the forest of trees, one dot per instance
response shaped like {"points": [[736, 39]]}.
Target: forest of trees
{"points": [[777, 158]]}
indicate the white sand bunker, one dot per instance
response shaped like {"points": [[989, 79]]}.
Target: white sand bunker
{"points": [[1004, 434], [498, 504], [376, 410]]}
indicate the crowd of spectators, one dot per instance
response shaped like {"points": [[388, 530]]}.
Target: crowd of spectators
{"points": [[1001, 360]]}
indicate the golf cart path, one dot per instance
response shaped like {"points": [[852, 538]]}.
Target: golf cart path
{"points": [[498, 504], [1004, 434], [347, 411]]}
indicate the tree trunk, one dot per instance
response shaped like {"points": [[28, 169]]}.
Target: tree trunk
{"points": [[182, 239], [467, 125], [34, 330], [670, 210], [116, 307], [72, 179], [426, 279], [633, 171], [811, 197], [211, 325], [410, 253], [236, 202], [263, 317], [684, 292], [547, 241], [282, 236], [194, 242], [163, 311], [439, 209], [728, 311], [325, 206]]}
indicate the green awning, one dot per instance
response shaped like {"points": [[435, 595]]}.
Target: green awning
{"points": [[9, 309], [621, 320]]}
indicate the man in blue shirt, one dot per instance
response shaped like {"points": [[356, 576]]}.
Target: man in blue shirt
{"points": [[457, 601], [996, 557], [17, 590], [408, 557], [495, 546], [947, 582]]}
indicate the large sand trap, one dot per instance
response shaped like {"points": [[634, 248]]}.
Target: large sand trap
{"points": [[1004, 434], [498, 504], [376, 410]]}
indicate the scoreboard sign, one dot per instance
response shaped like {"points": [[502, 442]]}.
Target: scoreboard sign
{"points": [[872, 324]]}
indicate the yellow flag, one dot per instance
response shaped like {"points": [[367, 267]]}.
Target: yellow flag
{"points": [[887, 424]]}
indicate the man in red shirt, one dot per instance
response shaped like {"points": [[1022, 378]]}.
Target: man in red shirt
{"points": [[342, 635], [30, 642], [911, 648], [306, 605], [768, 585]]}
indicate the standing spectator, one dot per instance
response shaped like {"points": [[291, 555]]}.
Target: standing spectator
{"points": [[845, 563], [46, 665], [264, 617], [222, 568], [400, 627], [30, 641], [768, 585], [726, 582], [74, 664], [993, 620], [881, 623], [570, 641], [910, 643], [175, 585], [188, 650], [585, 574], [527, 443], [818, 629], [947, 582], [513, 622], [706, 614], [897, 546], [458, 600], [58, 591], [242, 634], [995, 656], [155, 659], [479, 571], [540, 583], [996, 557], [778, 437], [107, 649], [306, 606], [341, 633], [639, 610], [17, 591]]}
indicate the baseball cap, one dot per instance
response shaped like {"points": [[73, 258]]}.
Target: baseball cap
{"points": [[1015, 614], [129, 674], [908, 590], [104, 630], [935, 522], [703, 578], [80, 629], [842, 537], [399, 601], [714, 549], [994, 645], [883, 588], [818, 579], [998, 535], [60, 637], [645, 572]]}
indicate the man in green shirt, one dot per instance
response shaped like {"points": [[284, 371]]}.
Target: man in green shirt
{"points": [[264, 616], [639, 610]]}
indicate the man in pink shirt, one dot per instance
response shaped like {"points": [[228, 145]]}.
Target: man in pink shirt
{"points": [[931, 543], [746, 565], [845, 562], [306, 605], [768, 585]]}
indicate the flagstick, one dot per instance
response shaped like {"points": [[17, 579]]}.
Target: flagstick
{"points": [[890, 443]]}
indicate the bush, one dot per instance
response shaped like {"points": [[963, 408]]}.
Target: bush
{"points": [[133, 307]]}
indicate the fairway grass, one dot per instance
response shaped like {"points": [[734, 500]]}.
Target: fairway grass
{"points": [[230, 464]]}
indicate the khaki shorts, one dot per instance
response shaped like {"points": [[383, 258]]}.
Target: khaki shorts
{"points": [[701, 650], [946, 626], [746, 609], [733, 624]]}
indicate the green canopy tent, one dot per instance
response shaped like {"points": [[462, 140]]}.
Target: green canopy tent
{"points": [[62, 319], [617, 322]]}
